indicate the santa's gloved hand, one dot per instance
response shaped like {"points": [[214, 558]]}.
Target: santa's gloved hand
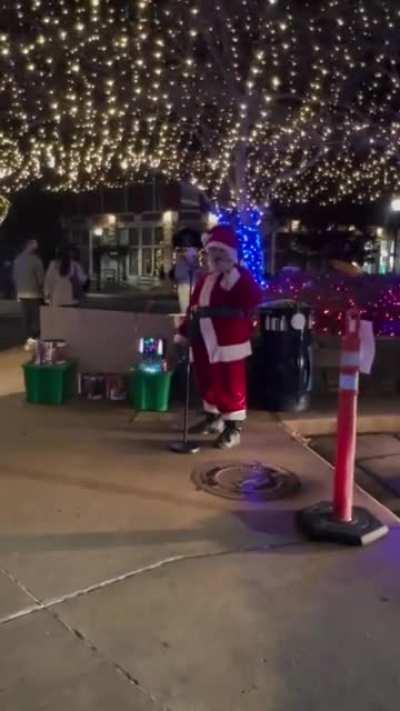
{"points": [[180, 340]]}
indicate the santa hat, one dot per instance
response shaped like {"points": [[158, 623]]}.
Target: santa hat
{"points": [[222, 238]]}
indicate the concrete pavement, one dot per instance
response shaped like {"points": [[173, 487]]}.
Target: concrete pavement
{"points": [[122, 586], [377, 464]]}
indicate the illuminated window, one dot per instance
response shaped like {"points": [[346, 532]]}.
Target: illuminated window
{"points": [[146, 254]]}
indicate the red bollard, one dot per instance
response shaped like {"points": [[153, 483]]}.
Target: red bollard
{"points": [[347, 419], [340, 522]]}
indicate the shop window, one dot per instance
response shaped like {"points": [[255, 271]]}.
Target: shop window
{"points": [[146, 256], [158, 235], [387, 256], [147, 235], [147, 262], [108, 237], [159, 261], [123, 236], [134, 262], [133, 236]]}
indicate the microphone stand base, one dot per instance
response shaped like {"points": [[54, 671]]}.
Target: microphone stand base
{"points": [[184, 447]]}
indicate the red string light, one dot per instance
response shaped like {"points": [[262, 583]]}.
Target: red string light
{"points": [[330, 295]]}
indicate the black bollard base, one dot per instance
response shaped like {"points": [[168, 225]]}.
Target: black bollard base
{"points": [[318, 523], [184, 447]]}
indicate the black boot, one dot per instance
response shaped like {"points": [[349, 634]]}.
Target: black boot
{"points": [[230, 437], [211, 424]]}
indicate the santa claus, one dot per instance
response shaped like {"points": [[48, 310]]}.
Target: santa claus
{"points": [[218, 326]]}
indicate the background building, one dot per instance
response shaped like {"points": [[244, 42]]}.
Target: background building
{"points": [[125, 236], [376, 249]]}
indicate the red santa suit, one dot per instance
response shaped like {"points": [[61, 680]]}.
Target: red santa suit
{"points": [[223, 304]]}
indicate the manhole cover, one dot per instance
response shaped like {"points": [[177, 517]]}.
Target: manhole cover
{"points": [[250, 482]]}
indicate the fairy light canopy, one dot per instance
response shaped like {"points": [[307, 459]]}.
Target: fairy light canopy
{"points": [[250, 100]]}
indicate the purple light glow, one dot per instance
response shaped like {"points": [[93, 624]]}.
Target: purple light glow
{"points": [[331, 294]]}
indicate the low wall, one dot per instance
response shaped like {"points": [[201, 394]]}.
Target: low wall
{"points": [[107, 341], [385, 376], [102, 340]]}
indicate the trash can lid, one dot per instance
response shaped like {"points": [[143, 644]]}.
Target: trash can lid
{"points": [[284, 305]]}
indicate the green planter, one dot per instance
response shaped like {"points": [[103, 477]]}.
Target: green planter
{"points": [[149, 391], [49, 384]]}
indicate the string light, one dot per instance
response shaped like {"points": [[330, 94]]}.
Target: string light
{"points": [[247, 225], [254, 101], [4, 208], [331, 295]]}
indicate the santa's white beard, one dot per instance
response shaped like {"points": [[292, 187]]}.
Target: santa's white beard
{"points": [[221, 266]]}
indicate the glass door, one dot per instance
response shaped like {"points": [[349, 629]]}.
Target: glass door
{"points": [[146, 251]]}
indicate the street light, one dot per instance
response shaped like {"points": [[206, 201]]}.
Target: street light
{"points": [[395, 204]]}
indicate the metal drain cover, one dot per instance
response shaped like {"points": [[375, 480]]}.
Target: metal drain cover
{"points": [[247, 481]]}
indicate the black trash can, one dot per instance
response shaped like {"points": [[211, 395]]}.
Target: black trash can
{"points": [[285, 356]]}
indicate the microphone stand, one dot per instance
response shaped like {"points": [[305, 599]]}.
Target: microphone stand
{"points": [[186, 446]]}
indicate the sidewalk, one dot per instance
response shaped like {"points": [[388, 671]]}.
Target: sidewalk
{"points": [[122, 586]]}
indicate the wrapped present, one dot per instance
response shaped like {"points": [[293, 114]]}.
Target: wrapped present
{"points": [[116, 387], [92, 386]]}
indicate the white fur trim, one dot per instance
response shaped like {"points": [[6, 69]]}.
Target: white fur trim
{"points": [[229, 280], [221, 245], [228, 354], [217, 353], [206, 325], [238, 416], [206, 290], [212, 409]]}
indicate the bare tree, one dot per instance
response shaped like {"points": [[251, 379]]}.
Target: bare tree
{"points": [[291, 101], [252, 100]]}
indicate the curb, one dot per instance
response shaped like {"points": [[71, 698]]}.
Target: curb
{"points": [[318, 425]]}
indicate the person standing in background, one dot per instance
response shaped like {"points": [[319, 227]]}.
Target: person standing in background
{"points": [[28, 278], [65, 280], [80, 270], [186, 272]]}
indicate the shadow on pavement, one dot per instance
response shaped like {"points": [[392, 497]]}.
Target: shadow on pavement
{"points": [[276, 523]]}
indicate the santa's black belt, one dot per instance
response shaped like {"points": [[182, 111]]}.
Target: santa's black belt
{"points": [[219, 312]]}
